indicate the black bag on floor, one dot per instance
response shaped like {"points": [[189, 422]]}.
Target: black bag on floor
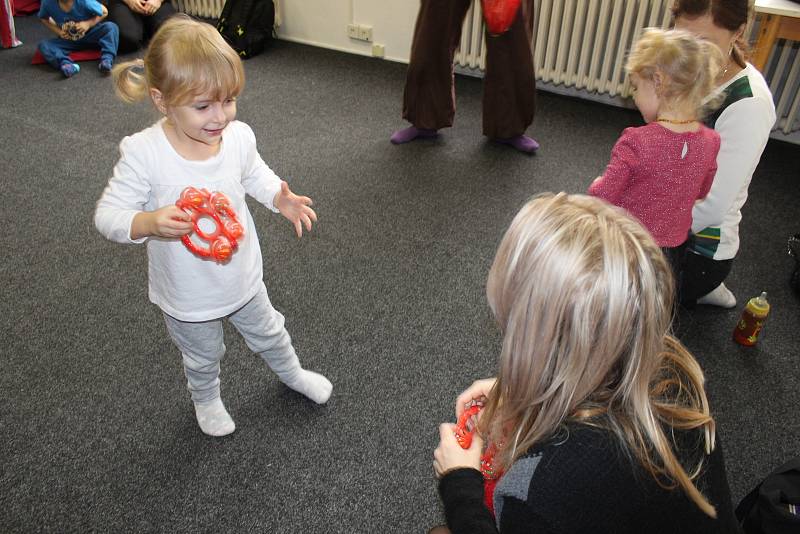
{"points": [[794, 251], [773, 507], [247, 25]]}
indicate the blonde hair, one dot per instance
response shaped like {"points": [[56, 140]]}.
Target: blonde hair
{"points": [[687, 67], [583, 296], [185, 59]]}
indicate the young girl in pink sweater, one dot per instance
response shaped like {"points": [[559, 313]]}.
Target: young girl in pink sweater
{"points": [[658, 171]]}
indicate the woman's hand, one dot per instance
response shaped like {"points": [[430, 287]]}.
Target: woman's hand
{"points": [[137, 6], [476, 394], [295, 208], [170, 222], [151, 6], [449, 455]]}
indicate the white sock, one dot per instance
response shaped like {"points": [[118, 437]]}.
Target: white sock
{"points": [[721, 296], [313, 385], [213, 418]]}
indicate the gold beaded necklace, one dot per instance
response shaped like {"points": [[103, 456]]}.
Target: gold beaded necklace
{"points": [[674, 121]]}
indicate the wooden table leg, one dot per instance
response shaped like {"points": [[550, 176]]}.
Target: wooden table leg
{"points": [[767, 33]]}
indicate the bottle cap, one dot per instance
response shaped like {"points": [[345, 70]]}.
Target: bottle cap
{"points": [[760, 303]]}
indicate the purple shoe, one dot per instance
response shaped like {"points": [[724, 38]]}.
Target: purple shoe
{"points": [[409, 134], [105, 65], [523, 143]]}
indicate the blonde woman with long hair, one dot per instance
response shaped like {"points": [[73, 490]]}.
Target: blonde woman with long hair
{"points": [[598, 416]]}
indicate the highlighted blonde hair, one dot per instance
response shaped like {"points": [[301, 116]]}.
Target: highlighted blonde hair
{"points": [[583, 297], [185, 59], [685, 67]]}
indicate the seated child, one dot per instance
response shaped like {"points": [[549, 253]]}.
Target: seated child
{"points": [[79, 25], [599, 416], [658, 171]]}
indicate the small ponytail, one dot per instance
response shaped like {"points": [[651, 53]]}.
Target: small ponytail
{"points": [[130, 85]]}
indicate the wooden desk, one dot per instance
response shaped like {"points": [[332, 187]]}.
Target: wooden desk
{"points": [[780, 19]]}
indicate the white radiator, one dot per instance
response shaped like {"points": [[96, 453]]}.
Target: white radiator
{"points": [[580, 44], [208, 9], [212, 9], [783, 74], [580, 48]]}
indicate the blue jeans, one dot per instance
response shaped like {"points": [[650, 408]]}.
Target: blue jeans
{"points": [[105, 35]]}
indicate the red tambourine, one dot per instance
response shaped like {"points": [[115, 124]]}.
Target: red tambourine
{"points": [[490, 475], [216, 206], [464, 434], [499, 14]]}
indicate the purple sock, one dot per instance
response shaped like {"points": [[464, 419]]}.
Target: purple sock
{"points": [[523, 143], [409, 134]]}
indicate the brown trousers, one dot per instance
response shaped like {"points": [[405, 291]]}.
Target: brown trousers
{"points": [[508, 85]]}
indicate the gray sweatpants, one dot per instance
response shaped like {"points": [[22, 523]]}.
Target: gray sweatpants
{"points": [[202, 345]]}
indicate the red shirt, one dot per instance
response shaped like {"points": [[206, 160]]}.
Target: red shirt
{"points": [[657, 175]]}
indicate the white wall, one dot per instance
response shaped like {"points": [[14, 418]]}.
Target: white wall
{"points": [[324, 23]]}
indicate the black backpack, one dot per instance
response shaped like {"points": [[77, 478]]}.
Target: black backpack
{"points": [[247, 25], [794, 251], [773, 507]]}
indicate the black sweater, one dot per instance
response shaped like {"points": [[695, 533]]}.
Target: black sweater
{"points": [[584, 482]]}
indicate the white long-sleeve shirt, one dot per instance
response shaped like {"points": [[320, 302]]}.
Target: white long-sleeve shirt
{"points": [[743, 123], [149, 175]]}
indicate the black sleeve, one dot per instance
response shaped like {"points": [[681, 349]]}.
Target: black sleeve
{"points": [[462, 495]]}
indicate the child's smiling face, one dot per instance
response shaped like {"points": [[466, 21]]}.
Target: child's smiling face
{"points": [[203, 119]]}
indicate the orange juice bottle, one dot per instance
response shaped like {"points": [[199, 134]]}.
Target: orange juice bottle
{"points": [[752, 321]]}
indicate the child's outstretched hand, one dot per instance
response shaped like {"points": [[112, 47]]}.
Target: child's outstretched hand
{"points": [[295, 208], [170, 222]]}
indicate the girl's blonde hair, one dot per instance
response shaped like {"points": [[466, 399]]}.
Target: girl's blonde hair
{"points": [[185, 59], [686, 67], [583, 296]]}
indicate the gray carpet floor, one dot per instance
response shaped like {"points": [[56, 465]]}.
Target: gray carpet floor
{"points": [[385, 296]]}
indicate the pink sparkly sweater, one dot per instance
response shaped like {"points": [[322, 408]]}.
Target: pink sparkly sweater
{"points": [[657, 175]]}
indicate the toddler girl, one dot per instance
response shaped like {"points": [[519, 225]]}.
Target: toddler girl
{"points": [[658, 171], [193, 77]]}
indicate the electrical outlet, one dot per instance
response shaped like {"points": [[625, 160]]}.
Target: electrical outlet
{"points": [[362, 32], [378, 50]]}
